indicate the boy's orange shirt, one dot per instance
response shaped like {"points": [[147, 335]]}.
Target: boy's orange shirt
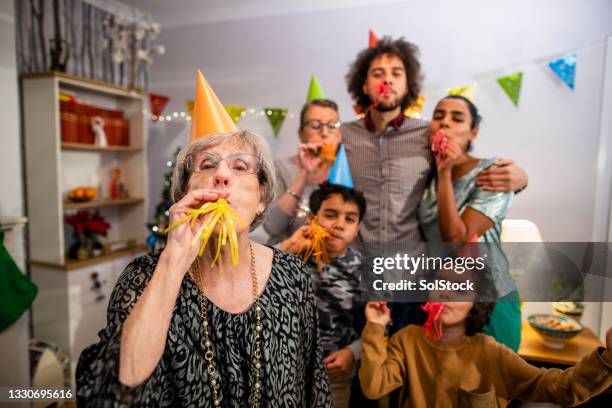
{"points": [[476, 371]]}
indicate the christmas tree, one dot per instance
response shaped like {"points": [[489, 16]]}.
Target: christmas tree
{"points": [[157, 239]]}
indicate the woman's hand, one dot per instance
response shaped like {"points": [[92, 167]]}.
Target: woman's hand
{"points": [[339, 363], [308, 154], [503, 176], [446, 160], [378, 312], [298, 241], [179, 251]]}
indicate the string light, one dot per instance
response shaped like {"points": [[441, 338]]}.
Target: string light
{"points": [[185, 117]]}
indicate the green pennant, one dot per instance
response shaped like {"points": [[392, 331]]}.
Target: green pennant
{"points": [[235, 112], [511, 84], [315, 90], [276, 117]]}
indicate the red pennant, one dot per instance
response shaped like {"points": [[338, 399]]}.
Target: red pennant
{"points": [[158, 103], [373, 39]]}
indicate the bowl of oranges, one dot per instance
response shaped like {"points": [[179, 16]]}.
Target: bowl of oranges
{"points": [[82, 194]]}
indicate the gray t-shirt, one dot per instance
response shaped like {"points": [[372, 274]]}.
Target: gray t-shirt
{"points": [[278, 224]]}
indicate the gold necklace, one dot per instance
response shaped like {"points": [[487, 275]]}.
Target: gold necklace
{"points": [[209, 355]]}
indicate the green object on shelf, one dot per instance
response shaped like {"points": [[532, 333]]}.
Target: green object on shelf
{"points": [[17, 291]]}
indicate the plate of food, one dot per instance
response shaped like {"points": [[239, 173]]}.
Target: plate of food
{"points": [[556, 331]]}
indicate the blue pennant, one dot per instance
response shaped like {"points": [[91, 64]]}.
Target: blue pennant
{"points": [[565, 68]]}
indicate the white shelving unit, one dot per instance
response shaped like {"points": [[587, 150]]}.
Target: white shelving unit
{"points": [[69, 310]]}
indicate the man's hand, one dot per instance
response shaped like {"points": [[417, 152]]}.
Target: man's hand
{"points": [[378, 312], [340, 362], [503, 176]]}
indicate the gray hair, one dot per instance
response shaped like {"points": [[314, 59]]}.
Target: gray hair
{"points": [[185, 165]]}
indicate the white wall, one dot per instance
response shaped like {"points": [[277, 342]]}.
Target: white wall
{"points": [[14, 369], [553, 133]]}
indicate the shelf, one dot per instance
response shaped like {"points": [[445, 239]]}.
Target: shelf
{"points": [[88, 83], [74, 264], [95, 148], [103, 203]]}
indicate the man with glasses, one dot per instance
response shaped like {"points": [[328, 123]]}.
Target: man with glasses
{"points": [[298, 176]]}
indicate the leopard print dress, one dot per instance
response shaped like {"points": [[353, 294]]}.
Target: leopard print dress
{"points": [[293, 373]]}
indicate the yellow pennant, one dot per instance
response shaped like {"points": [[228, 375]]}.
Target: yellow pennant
{"points": [[468, 91]]}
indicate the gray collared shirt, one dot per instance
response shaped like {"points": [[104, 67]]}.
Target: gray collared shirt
{"points": [[392, 169]]}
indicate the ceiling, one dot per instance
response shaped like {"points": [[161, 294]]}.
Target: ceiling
{"points": [[190, 12]]}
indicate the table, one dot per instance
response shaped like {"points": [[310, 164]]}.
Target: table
{"points": [[533, 349]]}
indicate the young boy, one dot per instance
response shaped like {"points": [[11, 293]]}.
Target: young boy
{"points": [[339, 210], [465, 367]]}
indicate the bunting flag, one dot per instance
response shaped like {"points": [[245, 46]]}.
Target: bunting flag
{"points": [[190, 103], [158, 103], [512, 85], [373, 39], [276, 117], [315, 90], [468, 91], [565, 69], [415, 111], [235, 112]]}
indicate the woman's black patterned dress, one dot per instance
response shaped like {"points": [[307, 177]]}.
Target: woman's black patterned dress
{"points": [[293, 373]]}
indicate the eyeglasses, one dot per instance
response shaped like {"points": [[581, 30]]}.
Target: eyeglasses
{"points": [[318, 125], [239, 163]]}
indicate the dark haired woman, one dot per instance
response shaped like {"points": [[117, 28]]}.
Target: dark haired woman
{"points": [[298, 176], [454, 209]]}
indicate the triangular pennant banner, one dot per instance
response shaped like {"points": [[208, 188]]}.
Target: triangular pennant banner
{"points": [[565, 68], [276, 117], [158, 103], [512, 85], [315, 90], [373, 39], [189, 105], [468, 91], [415, 110], [235, 112]]}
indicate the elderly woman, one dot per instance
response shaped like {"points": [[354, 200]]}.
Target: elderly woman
{"points": [[301, 174], [182, 333]]}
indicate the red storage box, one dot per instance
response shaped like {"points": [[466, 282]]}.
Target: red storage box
{"points": [[85, 131], [68, 122]]}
